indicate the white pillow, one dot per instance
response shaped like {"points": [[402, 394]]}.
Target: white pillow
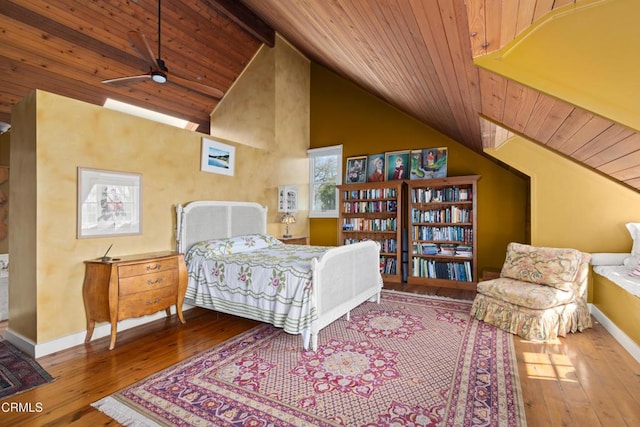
{"points": [[630, 262], [635, 272], [634, 230]]}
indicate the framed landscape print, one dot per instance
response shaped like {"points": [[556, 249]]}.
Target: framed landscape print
{"points": [[356, 170], [397, 165], [217, 157], [109, 203]]}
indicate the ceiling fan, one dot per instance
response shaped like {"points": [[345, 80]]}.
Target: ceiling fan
{"points": [[158, 71]]}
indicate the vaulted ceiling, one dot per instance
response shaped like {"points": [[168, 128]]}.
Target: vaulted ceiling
{"points": [[416, 55]]}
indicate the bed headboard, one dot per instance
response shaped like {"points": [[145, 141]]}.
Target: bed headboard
{"points": [[206, 220]]}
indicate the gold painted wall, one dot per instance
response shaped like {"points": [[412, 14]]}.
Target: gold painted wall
{"points": [[342, 113], [571, 206], [53, 135], [281, 116]]}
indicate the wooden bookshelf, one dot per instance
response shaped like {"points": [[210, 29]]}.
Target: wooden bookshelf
{"points": [[373, 211], [442, 232]]}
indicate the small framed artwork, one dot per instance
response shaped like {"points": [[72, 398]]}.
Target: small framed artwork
{"points": [[287, 198], [109, 203], [397, 164], [434, 162], [356, 170], [217, 157], [375, 168]]}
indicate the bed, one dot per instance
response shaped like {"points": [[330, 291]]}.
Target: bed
{"points": [[236, 268]]}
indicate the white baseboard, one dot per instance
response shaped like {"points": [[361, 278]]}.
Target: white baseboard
{"points": [[617, 333], [103, 330]]}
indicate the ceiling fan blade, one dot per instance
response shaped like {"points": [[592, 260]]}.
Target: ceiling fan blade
{"points": [[139, 42], [126, 81], [195, 86]]}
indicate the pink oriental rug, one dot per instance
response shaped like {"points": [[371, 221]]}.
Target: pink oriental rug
{"points": [[410, 360]]}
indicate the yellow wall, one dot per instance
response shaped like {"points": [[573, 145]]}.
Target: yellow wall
{"points": [[584, 53], [342, 113], [571, 206], [52, 136]]}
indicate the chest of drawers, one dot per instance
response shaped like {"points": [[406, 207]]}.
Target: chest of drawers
{"points": [[133, 286]]}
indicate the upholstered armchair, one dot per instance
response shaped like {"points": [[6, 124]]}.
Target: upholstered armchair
{"points": [[541, 293]]}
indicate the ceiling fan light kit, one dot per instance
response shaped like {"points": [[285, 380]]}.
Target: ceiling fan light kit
{"points": [[158, 77]]}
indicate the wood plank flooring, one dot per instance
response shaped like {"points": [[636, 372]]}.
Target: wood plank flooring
{"points": [[586, 379]]}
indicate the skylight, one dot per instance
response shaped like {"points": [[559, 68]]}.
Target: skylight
{"points": [[148, 114]]}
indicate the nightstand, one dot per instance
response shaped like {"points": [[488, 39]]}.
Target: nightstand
{"points": [[132, 286], [295, 240]]}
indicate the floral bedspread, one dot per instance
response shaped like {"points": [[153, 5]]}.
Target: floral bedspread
{"points": [[272, 284]]}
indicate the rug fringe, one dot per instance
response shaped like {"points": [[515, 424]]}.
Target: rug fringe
{"points": [[122, 413]]}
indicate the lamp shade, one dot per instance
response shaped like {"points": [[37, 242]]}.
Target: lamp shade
{"points": [[287, 219]]}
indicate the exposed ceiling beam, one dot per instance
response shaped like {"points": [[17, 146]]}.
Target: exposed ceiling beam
{"points": [[245, 18]]}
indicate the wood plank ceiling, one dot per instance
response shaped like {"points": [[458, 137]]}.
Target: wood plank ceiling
{"points": [[69, 46], [414, 54]]}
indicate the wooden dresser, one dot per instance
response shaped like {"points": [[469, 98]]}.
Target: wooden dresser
{"points": [[132, 286]]}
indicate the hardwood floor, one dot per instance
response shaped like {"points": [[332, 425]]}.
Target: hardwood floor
{"points": [[586, 379]]}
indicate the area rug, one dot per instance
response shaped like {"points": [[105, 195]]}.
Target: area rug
{"points": [[410, 360], [18, 372]]}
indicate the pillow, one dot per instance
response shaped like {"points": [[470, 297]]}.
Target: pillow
{"points": [[251, 242], [636, 272], [631, 262], [555, 267], [215, 246], [238, 244], [634, 230]]}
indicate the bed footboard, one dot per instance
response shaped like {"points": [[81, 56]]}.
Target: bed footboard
{"points": [[344, 278]]}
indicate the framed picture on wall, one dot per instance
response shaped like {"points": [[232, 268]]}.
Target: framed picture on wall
{"points": [[217, 157], [287, 198], [375, 168], [434, 162], [397, 165], [356, 170], [109, 203]]}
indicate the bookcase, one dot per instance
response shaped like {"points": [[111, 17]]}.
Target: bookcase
{"points": [[442, 222], [373, 211]]}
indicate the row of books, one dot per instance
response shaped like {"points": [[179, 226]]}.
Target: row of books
{"points": [[449, 270], [365, 224], [447, 194], [386, 245], [388, 265], [371, 193], [372, 207], [451, 214], [426, 248], [443, 234]]}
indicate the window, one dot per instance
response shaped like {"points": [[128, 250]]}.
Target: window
{"points": [[123, 107], [325, 172]]}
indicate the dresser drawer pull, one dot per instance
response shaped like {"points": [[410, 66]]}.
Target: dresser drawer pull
{"points": [[154, 282], [154, 267], [155, 301]]}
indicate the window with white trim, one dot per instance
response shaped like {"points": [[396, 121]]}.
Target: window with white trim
{"points": [[325, 172]]}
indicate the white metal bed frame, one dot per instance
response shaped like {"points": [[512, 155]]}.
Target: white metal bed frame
{"points": [[343, 278]]}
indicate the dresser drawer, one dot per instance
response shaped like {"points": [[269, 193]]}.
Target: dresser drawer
{"points": [[147, 282], [143, 303], [147, 267]]}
